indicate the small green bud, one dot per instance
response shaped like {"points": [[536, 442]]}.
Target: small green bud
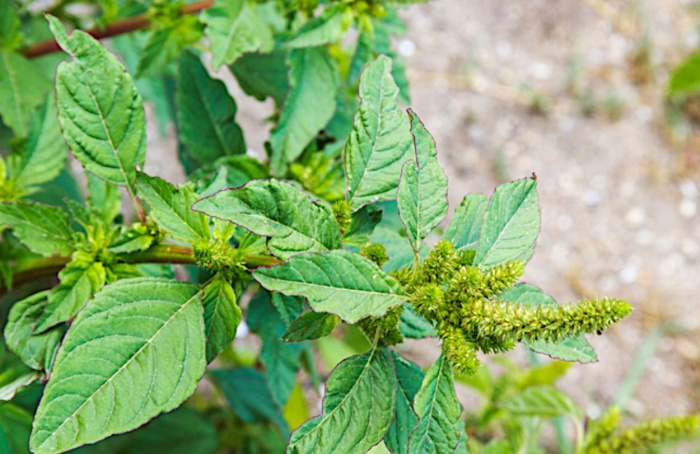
{"points": [[343, 214], [376, 253], [458, 350]]}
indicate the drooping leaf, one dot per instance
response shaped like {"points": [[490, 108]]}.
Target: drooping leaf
{"points": [[574, 348], [314, 80], [422, 193], [311, 325], [206, 113], [380, 142], [415, 326], [22, 88], [43, 229], [43, 154], [338, 282], [327, 28], [685, 79], [465, 227], [171, 209], [263, 74], [409, 378], [358, 407], [280, 211], [235, 27], [135, 351], [100, 111], [80, 279], [438, 410], [543, 401], [15, 427], [511, 224], [221, 315], [36, 351]]}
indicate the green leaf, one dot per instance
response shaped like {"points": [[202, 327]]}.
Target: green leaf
{"points": [[36, 351], [414, 326], [10, 31], [380, 142], [43, 155], [422, 192], [327, 28], [314, 81], [221, 315], [364, 53], [11, 386], [22, 88], [465, 227], [15, 426], [280, 211], [263, 74], [289, 307], [166, 44], [135, 351], [511, 224], [398, 248], [544, 401], [362, 226], [103, 197], [338, 282], [685, 79], [80, 279], [233, 170], [100, 111], [170, 208], [311, 325], [235, 27], [409, 378], [43, 229], [205, 113], [438, 409], [358, 408], [574, 348]]}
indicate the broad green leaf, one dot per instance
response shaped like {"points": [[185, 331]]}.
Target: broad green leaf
{"points": [[415, 326], [296, 412], [465, 227], [166, 44], [685, 79], [36, 351], [235, 27], [314, 81], [135, 351], [205, 113], [409, 378], [43, 154], [422, 192], [292, 221], [246, 391], [438, 410], [100, 111], [511, 224], [15, 427], [338, 282], [103, 197], [221, 315], [171, 209], [43, 229], [380, 142], [22, 88], [574, 348], [228, 172], [311, 325], [289, 307], [362, 226], [263, 74], [327, 28], [358, 407], [543, 401], [80, 279]]}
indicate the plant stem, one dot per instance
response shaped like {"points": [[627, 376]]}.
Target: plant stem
{"points": [[118, 28]]}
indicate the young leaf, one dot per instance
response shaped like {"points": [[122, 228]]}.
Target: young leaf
{"points": [[36, 351], [280, 211], [235, 27], [380, 141], [684, 79], [465, 227], [438, 410], [311, 325], [43, 155], [544, 401], [409, 378], [170, 208], [15, 426], [205, 113], [221, 315], [137, 350], [314, 80], [338, 282], [80, 279], [511, 224], [103, 198], [43, 229], [100, 111], [358, 408], [22, 88], [327, 28], [422, 192], [261, 75]]}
